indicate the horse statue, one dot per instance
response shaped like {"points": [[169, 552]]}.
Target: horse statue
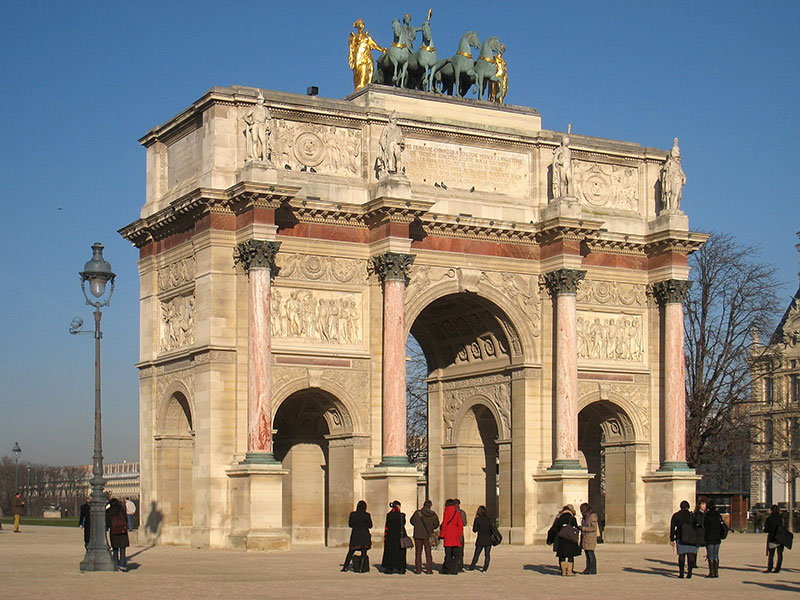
{"points": [[423, 61], [486, 67], [458, 70], [395, 58]]}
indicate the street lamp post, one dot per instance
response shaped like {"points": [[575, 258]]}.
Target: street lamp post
{"points": [[97, 273], [28, 495], [16, 451]]}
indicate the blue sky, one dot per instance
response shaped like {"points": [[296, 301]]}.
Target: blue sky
{"points": [[82, 81]]}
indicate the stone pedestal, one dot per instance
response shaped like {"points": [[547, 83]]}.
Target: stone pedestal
{"points": [[664, 491], [257, 507], [259, 172], [564, 207], [669, 220], [554, 490], [384, 484], [393, 186]]}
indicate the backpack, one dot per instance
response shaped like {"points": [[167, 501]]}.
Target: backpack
{"points": [[119, 523]]}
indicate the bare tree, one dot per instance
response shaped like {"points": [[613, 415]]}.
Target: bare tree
{"points": [[416, 403], [732, 296]]}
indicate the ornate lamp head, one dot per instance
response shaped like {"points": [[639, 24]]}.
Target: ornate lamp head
{"points": [[97, 272]]}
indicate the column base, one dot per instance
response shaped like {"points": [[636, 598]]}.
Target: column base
{"points": [[554, 490], [259, 458], [671, 466], [257, 506], [384, 484], [394, 461], [566, 464], [663, 492]]}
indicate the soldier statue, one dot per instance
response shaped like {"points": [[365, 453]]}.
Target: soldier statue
{"points": [[392, 144], [562, 169], [672, 179], [257, 133]]}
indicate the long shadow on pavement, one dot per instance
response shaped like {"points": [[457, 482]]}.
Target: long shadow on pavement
{"points": [[652, 571], [791, 587], [543, 569], [142, 550]]}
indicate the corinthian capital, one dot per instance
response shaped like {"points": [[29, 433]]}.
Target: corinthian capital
{"points": [[392, 265], [563, 281], [671, 290], [256, 254]]}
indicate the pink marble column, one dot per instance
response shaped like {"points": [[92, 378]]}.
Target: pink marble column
{"points": [[671, 293], [563, 285], [392, 269], [258, 259]]}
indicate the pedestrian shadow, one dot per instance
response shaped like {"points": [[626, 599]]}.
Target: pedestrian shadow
{"points": [[652, 571], [142, 550], [154, 519], [132, 566], [782, 586], [543, 569]]}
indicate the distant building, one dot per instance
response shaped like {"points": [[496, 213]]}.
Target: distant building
{"points": [[775, 372]]}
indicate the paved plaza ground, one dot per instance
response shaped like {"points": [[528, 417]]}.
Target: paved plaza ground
{"points": [[42, 562]]}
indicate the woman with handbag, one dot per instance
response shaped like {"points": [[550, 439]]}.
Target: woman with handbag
{"points": [[715, 531], [482, 525], [682, 534], [590, 531], [774, 527], [394, 548], [360, 522], [564, 535]]}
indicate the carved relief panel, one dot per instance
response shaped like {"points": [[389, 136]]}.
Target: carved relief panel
{"points": [[327, 149], [636, 395], [176, 274], [607, 186], [177, 322], [593, 291], [305, 267], [495, 388], [321, 316], [611, 337]]}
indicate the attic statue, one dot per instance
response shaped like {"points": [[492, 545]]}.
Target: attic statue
{"points": [[360, 60]]}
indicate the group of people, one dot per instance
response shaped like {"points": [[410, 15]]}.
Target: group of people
{"points": [[568, 539], [427, 532], [119, 520]]}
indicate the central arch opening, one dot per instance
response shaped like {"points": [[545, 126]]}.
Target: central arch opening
{"points": [[467, 345]]}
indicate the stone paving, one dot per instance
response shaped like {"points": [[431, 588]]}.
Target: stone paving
{"points": [[42, 562]]}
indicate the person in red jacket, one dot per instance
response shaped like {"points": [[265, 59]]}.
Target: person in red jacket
{"points": [[451, 530]]}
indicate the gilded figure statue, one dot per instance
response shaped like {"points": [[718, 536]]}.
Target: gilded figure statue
{"points": [[672, 179], [257, 132], [360, 59], [498, 89], [562, 169]]}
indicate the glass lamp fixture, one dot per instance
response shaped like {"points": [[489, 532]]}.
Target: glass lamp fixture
{"points": [[97, 272]]}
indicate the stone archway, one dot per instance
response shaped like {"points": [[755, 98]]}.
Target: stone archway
{"points": [[470, 358], [607, 441], [174, 456], [315, 443]]}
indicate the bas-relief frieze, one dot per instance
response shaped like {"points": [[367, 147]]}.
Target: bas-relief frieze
{"points": [[304, 267], [497, 388], [164, 380], [354, 381], [494, 171], [326, 149], [177, 323], [323, 316], [593, 291], [637, 394], [610, 337], [176, 274], [606, 186]]}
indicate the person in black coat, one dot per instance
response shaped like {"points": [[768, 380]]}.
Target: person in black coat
{"points": [[394, 555], [117, 525], [714, 529], [482, 525], [85, 520], [683, 534], [360, 522], [566, 548], [772, 525]]}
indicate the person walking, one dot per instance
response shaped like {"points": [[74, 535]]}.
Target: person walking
{"points": [[360, 522], [482, 525], [563, 535], [451, 531], [117, 525], [130, 510], [772, 525], [590, 531], [18, 506], [425, 522], [85, 520], [715, 531], [683, 535], [394, 554]]}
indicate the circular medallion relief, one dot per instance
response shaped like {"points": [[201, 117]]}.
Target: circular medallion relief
{"points": [[594, 187], [309, 149]]}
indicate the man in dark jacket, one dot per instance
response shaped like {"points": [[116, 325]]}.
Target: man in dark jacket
{"points": [[425, 523], [682, 533], [85, 520], [460, 551], [772, 525], [18, 505]]}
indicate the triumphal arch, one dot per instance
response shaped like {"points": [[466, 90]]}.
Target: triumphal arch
{"points": [[290, 245]]}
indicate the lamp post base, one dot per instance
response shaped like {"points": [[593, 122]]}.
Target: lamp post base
{"points": [[98, 560]]}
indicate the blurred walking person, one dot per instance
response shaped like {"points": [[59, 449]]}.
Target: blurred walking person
{"points": [[18, 506], [590, 531], [425, 522], [482, 525], [360, 522]]}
